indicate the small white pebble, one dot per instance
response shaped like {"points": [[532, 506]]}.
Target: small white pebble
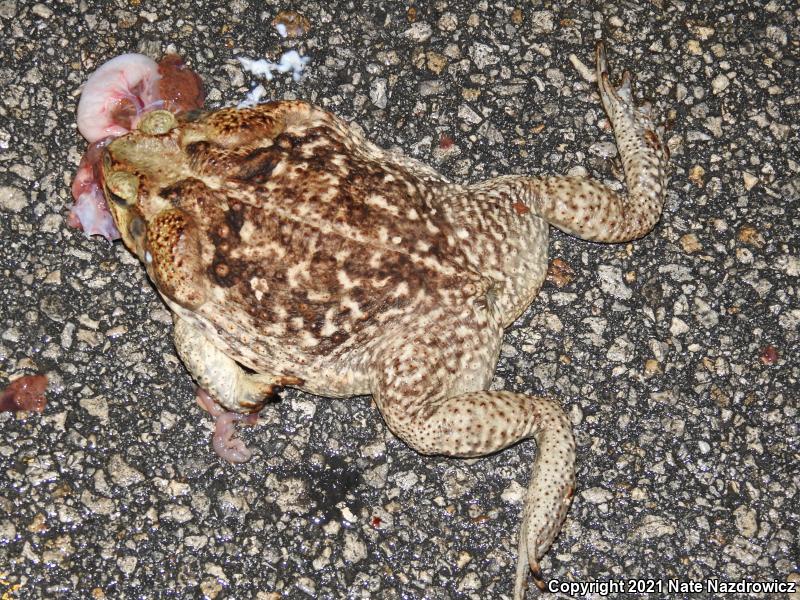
{"points": [[127, 564], [678, 327], [40, 10], [749, 180], [596, 495], [348, 515], [585, 72], [720, 83]]}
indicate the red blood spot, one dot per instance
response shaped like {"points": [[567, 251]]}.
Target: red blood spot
{"points": [[25, 393], [652, 138], [560, 273], [769, 355], [521, 208], [446, 142], [376, 522]]}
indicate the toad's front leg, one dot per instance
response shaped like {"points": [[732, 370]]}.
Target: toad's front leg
{"points": [[226, 390]]}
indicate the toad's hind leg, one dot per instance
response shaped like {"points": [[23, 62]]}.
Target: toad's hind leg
{"points": [[413, 400], [590, 210], [587, 208]]}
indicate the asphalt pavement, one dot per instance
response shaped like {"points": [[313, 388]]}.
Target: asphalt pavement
{"points": [[676, 356]]}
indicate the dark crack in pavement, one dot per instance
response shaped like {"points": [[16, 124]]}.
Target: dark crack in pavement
{"points": [[676, 356]]}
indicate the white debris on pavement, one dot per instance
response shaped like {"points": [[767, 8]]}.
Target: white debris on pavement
{"points": [[290, 61], [253, 97], [587, 73], [281, 28]]}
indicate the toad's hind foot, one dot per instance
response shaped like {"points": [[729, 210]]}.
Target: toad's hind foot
{"points": [[619, 99], [628, 119], [544, 511], [549, 493]]}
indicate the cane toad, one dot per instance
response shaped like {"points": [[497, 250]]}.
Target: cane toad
{"points": [[292, 251]]}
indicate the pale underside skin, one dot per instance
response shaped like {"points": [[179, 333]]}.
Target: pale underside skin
{"points": [[286, 243]]}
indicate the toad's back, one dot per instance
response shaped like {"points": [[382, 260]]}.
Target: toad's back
{"points": [[313, 240]]}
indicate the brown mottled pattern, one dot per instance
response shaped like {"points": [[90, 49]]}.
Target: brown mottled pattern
{"points": [[286, 243], [302, 194]]}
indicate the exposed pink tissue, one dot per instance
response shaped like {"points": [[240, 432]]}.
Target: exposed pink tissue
{"points": [[224, 440], [25, 394], [90, 211], [113, 101], [116, 95]]}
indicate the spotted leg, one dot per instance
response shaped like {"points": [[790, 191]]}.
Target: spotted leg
{"points": [[586, 208], [225, 388], [413, 398], [592, 211]]}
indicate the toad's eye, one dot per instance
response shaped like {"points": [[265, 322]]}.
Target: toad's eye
{"points": [[192, 115], [136, 227], [122, 187]]}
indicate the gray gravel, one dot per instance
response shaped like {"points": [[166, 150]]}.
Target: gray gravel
{"points": [[676, 356]]}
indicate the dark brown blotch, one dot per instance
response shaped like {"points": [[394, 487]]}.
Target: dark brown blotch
{"points": [[256, 166], [225, 271], [192, 189], [235, 217]]}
